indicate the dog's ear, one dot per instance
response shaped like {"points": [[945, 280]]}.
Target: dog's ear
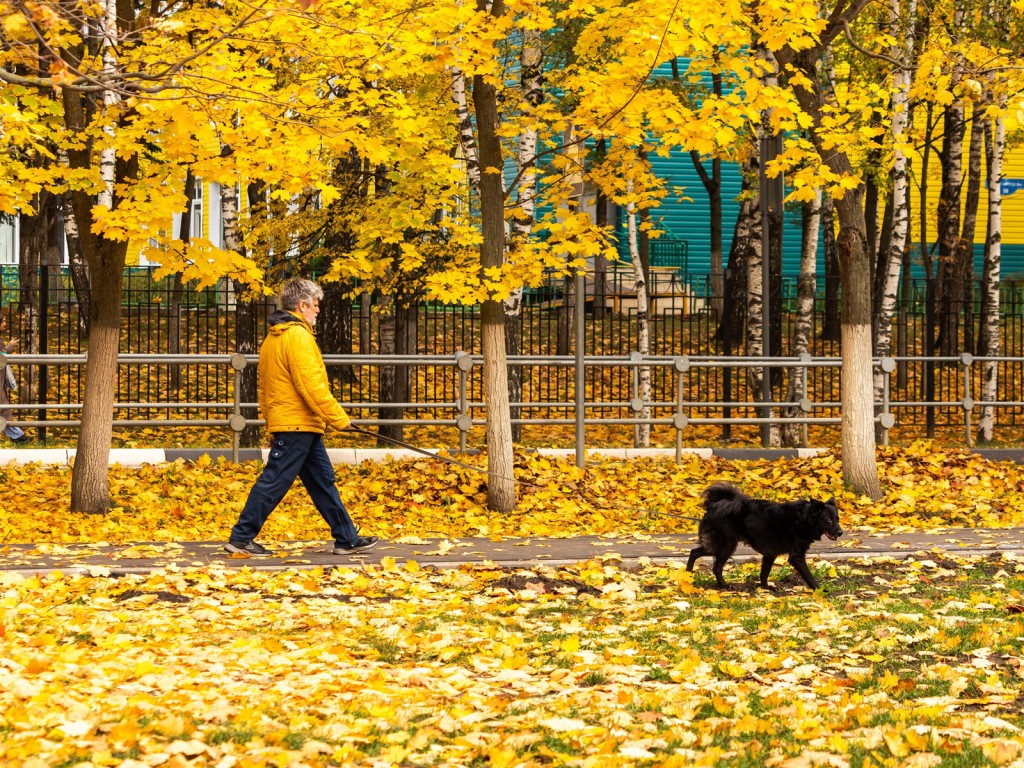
{"points": [[831, 501]]}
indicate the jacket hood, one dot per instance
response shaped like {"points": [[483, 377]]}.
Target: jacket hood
{"points": [[281, 319]]}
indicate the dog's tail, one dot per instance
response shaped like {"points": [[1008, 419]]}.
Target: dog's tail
{"points": [[722, 499]]}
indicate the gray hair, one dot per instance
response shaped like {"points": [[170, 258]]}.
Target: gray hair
{"points": [[297, 290]]}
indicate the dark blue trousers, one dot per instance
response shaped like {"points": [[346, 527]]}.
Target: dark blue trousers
{"points": [[302, 455]]}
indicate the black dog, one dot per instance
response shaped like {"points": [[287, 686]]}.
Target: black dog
{"points": [[769, 527]]}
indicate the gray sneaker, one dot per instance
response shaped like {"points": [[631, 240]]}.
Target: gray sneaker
{"points": [[361, 543], [250, 548]]}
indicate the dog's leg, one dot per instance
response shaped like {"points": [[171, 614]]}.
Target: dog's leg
{"points": [[721, 558], [767, 561], [799, 563], [695, 553]]}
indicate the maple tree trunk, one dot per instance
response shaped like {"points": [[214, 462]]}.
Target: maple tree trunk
{"points": [[830, 328], [245, 317], [334, 327], [245, 342], [860, 469], [731, 326], [951, 275], [713, 187], [744, 232], [965, 248], [993, 256], [501, 490], [90, 488], [601, 221], [390, 388], [174, 311]]}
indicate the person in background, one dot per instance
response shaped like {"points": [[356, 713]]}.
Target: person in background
{"points": [[296, 400], [8, 385]]}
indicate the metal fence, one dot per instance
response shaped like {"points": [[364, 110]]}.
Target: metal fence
{"points": [[687, 404], [683, 323]]}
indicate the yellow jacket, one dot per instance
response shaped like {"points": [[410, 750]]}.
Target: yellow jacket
{"points": [[294, 393]]}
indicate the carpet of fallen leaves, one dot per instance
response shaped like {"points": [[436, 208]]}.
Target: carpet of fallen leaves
{"points": [[911, 663], [925, 487]]}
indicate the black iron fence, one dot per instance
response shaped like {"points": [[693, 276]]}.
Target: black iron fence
{"points": [[684, 322]]}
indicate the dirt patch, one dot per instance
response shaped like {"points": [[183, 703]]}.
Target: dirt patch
{"points": [[518, 582]]}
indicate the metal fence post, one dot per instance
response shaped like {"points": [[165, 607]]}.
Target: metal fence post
{"points": [[886, 419], [44, 344], [635, 403], [581, 371], [967, 360], [805, 362], [464, 364], [237, 420], [679, 421]]}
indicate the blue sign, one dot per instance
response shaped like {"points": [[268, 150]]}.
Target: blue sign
{"points": [[1009, 186]]}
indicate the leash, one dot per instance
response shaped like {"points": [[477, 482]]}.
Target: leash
{"points": [[523, 483]]}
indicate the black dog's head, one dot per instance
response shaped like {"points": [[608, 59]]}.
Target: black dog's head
{"points": [[828, 518]]}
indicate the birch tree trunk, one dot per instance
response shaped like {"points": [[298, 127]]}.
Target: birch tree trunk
{"points": [[806, 288], [523, 215], [501, 490], [897, 242], [643, 431], [755, 299], [108, 155], [993, 255], [76, 261], [467, 137]]}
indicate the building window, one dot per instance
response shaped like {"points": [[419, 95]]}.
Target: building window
{"points": [[197, 210]]}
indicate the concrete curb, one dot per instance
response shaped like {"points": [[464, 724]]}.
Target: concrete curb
{"points": [[134, 457]]}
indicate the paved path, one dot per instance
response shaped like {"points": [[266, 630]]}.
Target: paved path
{"points": [[448, 553]]}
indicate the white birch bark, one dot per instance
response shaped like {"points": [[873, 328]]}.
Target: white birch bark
{"points": [[990, 322], [903, 52], [467, 137], [108, 155], [643, 431], [806, 289], [755, 294], [229, 218], [524, 212]]}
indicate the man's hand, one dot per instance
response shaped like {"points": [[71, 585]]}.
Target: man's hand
{"points": [[11, 345]]}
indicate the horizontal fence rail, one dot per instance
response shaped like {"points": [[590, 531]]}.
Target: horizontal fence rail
{"points": [[161, 317], [689, 393]]}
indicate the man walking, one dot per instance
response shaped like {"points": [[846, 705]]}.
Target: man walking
{"points": [[296, 401]]}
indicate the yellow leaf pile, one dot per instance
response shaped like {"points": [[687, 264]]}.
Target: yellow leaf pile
{"points": [[925, 488]]}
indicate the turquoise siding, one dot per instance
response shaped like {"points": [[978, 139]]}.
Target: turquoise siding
{"points": [[689, 220]]}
